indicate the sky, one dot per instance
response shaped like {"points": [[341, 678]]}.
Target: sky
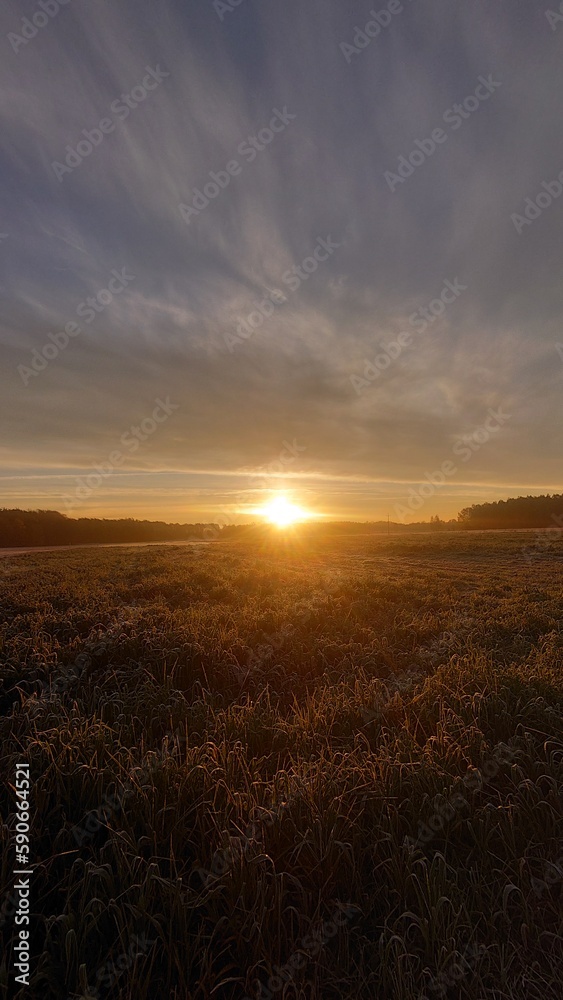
{"points": [[274, 245]]}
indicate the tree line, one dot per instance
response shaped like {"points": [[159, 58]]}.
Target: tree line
{"points": [[49, 527], [519, 512]]}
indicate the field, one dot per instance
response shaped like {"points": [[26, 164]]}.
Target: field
{"points": [[327, 770]]}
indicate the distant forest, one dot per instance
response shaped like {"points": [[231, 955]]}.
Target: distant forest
{"points": [[522, 512], [49, 527]]}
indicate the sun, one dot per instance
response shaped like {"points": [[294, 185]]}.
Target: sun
{"points": [[281, 512]]}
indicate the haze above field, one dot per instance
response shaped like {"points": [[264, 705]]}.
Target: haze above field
{"points": [[291, 403], [52, 528]]}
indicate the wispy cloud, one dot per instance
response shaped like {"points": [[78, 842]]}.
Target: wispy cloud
{"points": [[323, 174]]}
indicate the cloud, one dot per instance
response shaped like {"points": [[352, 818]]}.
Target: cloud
{"points": [[322, 175]]}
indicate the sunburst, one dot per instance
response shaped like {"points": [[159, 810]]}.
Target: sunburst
{"points": [[282, 512]]}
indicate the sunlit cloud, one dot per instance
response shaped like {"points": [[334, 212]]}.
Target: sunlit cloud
{"points": [[322, 176]]}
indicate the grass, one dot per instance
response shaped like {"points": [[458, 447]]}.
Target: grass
{"points": [[337, 763]]}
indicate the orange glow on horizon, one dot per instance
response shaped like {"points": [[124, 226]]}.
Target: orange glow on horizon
{"points": [[282, 512]]}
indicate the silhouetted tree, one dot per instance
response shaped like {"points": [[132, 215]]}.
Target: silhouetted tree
{"points": [[518, 512], [49, 527]]}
